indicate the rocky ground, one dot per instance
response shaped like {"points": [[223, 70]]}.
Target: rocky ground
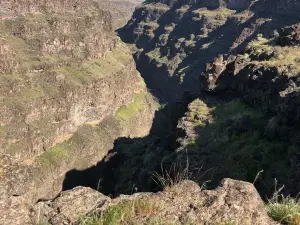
{"points": [[234, 202]]}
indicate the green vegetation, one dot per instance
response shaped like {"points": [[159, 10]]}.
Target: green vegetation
{"points": [[95, 69], [155, 5], [286, 210], [170, 63], [54, 156], [206, 45], [122, 213], [125, 113], [283, 58], [235, 144], [222, 12], [150, 25]]}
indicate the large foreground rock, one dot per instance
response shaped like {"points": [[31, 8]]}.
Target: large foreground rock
{"points": [[235, 202], [69, 206]]}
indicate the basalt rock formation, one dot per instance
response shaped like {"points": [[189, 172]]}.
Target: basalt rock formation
{"points": [[68, 89], [234, 202], [266, 76], [240, 59], [120, 10], [75, 112], [176, 39]]}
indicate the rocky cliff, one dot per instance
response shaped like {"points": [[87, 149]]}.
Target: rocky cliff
{"points": [[177, 38], [121, 10], [69, 88], [226, 75], [240, 59]]}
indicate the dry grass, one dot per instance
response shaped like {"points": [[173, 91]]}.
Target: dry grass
{"points": [[285, 59], [122, 213], [288, 56], [285, 210], [176, 173], [224, 12]]}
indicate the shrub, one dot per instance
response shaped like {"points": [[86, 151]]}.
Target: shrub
{"points": [[286, 210], [283, 209]]}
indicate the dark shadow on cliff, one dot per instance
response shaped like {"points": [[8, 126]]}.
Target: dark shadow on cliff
{"points": [[128, 164], [265, 140], [237, 146], [237, 143]]}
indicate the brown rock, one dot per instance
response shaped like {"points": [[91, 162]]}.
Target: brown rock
{"points": [[234, 202], [70, 205]]}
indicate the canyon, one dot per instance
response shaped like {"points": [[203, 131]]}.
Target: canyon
{"points": [[176, 111]]}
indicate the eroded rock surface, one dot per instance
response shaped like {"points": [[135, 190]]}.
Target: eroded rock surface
{"points": [[70, 205], [68, 89], [233, 201]]}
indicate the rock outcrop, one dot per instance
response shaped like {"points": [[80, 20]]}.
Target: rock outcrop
{"points": [[218, 51], [121, 10], [234, 202], [68, 89]]}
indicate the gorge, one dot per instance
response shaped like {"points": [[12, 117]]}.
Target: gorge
{"points": [[104, 121]]}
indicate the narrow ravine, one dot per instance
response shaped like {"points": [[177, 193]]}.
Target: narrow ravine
{"points": [[182, 96]]}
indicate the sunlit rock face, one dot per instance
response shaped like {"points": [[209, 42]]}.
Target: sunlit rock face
{"points": [[68, 88]]}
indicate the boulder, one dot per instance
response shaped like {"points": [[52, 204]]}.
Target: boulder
{"points": [[69, 206], [234, 202]]}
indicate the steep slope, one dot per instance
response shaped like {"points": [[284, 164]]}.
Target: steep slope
{"points": [[121, 10], [266, 76], [177, 38], [240, 59], [235, 63], [68, 89]]}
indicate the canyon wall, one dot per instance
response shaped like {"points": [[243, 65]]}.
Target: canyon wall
{"points": [[68, 89], [176, 39]]}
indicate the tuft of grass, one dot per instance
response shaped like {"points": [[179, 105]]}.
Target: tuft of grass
{"points": [[122, 213], [171, 177], [285, 210], [177, 173]]}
